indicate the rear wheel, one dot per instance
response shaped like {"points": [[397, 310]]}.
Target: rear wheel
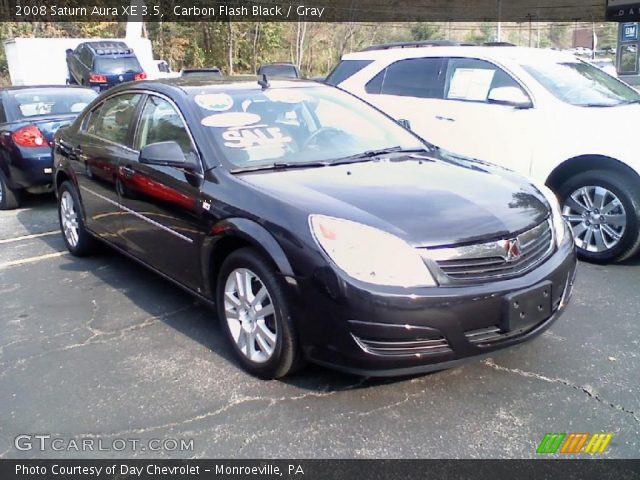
{"points": [[254, 313], [77, 239], [602, 208], [9, 198]]}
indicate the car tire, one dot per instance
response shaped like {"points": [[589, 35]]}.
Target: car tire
{"points": [[266, 345], [612, 214], [9, 198], [78, 240]]}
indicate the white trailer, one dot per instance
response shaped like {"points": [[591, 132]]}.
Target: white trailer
{"points": [[42, 61]]}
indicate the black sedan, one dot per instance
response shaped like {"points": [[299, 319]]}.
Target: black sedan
{"points": [[319, 228], [29, 116]]}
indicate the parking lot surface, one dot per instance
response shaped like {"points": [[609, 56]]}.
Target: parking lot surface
{"points": [[100, 348]]}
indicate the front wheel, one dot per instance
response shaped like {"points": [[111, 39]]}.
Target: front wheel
{"points": [[254, 312], [602, 208], [78, 240]]}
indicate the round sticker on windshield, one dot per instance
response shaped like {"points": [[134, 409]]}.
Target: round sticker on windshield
{"points": [[286, 96], [230, 119], [216, 102]]}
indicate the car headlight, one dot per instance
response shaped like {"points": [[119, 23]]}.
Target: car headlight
{"points": [[559, 223], [368, 254]]}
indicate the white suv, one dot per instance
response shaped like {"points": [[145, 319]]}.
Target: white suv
{"points": [[542, 113]]}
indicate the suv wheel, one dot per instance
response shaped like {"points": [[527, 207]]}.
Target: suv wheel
{"points": [[254, 313], [602, 208], [9, 198], [79, 242]]}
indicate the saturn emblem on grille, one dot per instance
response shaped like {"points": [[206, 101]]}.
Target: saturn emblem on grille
{"points": [[511, 249]]}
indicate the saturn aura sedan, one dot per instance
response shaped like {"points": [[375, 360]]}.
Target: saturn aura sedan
{"points": [[317, 227]]}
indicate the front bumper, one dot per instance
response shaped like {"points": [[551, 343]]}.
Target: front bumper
{"points": [[376, 331]]}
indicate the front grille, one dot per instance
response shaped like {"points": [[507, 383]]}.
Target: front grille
{"points": [[489, 261], [395, 348]]}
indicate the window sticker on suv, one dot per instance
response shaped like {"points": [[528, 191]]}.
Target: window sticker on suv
{"points": [[470, 84]]}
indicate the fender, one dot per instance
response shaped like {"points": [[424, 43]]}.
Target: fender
{"points": [[252, 233]]}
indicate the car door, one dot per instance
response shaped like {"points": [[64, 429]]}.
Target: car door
{"points": [[475, 123], [408, 90], [163, 221], [96, 150]]}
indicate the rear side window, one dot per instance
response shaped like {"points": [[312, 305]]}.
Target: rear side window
{"points": [[85, 56], [472, 79], [413, 77], [346, 69], [111, 120]]}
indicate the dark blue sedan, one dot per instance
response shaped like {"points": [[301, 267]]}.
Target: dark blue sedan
{"points": [[29, 116]]}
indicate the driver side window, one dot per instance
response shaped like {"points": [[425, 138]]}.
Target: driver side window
{"points": [[160, 122]]}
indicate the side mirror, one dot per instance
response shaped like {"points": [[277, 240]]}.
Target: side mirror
{"points": [[510, 96], [168, 154], [405, 123]]}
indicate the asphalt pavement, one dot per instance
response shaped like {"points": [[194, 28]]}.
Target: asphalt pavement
{"points": [[102, 351]]}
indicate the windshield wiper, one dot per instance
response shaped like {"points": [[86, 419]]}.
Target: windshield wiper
{"points": [[373, 154], [281, 166]]}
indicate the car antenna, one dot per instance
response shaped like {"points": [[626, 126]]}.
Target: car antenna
{"points": [[263, 82]]}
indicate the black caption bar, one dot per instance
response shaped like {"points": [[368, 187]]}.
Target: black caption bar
{"points": [[302, 10], [321, 469]]}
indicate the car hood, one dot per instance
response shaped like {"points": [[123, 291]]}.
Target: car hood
{"points": [[427, 203]]}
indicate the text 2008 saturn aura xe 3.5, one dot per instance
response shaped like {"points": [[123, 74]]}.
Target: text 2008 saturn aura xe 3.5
{"points": [[319, 228]]}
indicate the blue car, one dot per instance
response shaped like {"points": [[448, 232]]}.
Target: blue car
{"points": [[29, 117], [101, 65]]}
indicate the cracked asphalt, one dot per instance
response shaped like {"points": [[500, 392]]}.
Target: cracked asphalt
{"points": [[101, 349]]}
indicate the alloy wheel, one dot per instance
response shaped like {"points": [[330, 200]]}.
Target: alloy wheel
{"points": [[69, 218], [250, 315], [597, 217]]}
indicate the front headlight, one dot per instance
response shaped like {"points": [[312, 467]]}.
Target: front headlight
{"points": [[368, 254], [559, 223]]}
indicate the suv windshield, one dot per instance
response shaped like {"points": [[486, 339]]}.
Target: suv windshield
{"points": [[113, 66], [297, 126], [581, 84], [48, 101]]}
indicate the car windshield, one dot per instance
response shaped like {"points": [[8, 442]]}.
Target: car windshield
{"points": [[297, 126], [50, 101], [581, 84], [114, 66]]}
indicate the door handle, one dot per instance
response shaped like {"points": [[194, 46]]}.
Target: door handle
{"points": [[446, 119], [127, 172]]}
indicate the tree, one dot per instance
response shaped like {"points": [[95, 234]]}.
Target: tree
{"points": [[425, 31]]}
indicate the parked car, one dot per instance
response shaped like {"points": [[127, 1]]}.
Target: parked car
{"points": [[318, 227], [201, 72], [101, 65], [29, 116], [283, 70], [539, 112]]}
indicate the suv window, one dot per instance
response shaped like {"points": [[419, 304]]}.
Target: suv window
{"points": [[472, 79], [346, 69], [111, 120], [160, 122], [413, 77]]}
